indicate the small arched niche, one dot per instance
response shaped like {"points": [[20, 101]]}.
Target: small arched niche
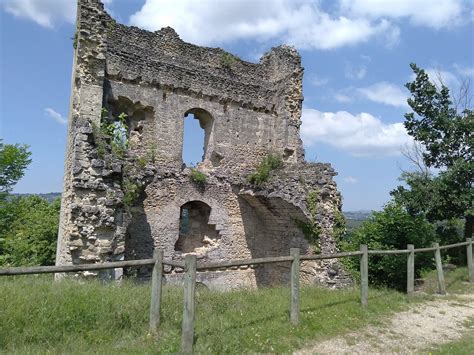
{"points": [[196, 234], [196, 135]]}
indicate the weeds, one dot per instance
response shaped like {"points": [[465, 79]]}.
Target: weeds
{"points": [[270, 162], [198, 177]]}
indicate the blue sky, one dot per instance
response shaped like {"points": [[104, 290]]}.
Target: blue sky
{"points": [[356, 56]]}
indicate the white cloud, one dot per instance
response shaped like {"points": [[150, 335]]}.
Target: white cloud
{"points": [[463, 70], [339, 97], [302, 24], [350, 180], [432, 13], [46, 13], [354, 72], [438, 77], [385, 93], [360, 135], [316, 80], [55, 115]]}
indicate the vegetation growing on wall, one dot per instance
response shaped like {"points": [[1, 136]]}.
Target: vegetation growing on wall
{"points": [[311, 229], [228, 60], [112, 143], [198, 177], [270, 163]]}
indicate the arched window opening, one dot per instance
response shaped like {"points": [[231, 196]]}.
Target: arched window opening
{"points": [[195, 232], [196, 134]]}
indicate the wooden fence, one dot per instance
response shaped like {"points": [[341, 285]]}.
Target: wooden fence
{"points": [[190, 267]]}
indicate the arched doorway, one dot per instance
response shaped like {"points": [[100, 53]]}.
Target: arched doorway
{"points": [[195, 231]]}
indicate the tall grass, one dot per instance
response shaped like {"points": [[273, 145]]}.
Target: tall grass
{"points": [[38, 315]]}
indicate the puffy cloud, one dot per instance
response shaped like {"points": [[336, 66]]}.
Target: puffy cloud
{"points": [[45, 13], [302, 24], [464, 70], [350, 180], [316, 80], [385, 93], [55, 116], [360, 135], [431, 13]]}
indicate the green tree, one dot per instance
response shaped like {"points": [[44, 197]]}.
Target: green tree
{"points": [[14, 158], [446, 134], [392, 228], [30, 238]]}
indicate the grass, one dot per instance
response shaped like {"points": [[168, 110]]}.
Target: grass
{"points": [[41, 316], [462, 346], [456, 281]]}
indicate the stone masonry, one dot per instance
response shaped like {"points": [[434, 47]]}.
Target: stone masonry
{"points": [[121, 203]]}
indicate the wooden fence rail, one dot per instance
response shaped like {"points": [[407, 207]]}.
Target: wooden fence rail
{"points": [[191, 267]]}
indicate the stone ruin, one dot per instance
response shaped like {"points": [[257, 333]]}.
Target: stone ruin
{"points": [[126, 189]]}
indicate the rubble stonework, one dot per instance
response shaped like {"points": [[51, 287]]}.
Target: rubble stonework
{"points": [[122, 205]]}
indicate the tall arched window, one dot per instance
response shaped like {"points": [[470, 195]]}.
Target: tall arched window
{"points": [[197, 135]]}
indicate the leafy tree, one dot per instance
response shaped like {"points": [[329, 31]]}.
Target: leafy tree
{"points": [[14, 158], [392, 228], [447, 137], [31, 233]]}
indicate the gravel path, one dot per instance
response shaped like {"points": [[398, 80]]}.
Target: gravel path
{"points": [[423, 325]]}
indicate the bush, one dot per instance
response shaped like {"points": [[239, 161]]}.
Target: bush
{"points": [[198, 177], [29, 230], [392, 228], [270, 163]]}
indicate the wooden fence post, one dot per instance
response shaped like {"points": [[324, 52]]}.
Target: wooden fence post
{"points": [[156, 286], [439, 269], [295, 286], [470, 264], [187, 335], [411, 270], [364, 275]]}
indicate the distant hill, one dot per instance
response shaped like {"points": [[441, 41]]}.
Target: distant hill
{"points": [[360, 215], [355, 218], [50, 196]]}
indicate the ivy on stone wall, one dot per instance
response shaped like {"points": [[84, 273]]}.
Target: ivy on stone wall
{"points": [[311, 229]]}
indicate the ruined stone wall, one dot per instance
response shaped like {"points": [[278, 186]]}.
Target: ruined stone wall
{"points": [[122, 203]]}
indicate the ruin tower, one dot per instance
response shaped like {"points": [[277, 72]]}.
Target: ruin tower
{"points": [[126, 190]]}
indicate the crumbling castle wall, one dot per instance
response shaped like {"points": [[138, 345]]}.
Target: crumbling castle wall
{"points": [[126, 190]]}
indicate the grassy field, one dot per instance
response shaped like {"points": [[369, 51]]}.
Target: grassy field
{"points": [[41, 316]]}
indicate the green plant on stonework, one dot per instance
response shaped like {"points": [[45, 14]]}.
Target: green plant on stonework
{"points": [[270, 162], [149, 157], [198, 177], [74, 41], [339, 226], [311, 229], [131, 191], [114, 133], [228, 60]]}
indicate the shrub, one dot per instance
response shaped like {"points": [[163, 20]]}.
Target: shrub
{"points": [[228, 60], [29, 230], [392, 228], [198, 177], [262, 173], [131, 191]]}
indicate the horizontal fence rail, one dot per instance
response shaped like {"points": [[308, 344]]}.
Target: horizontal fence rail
{"points": [[190, 267]]}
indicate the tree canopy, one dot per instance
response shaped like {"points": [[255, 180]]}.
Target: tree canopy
{"points": [[14, 158], [447, 138]]}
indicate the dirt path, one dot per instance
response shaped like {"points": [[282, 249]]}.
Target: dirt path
{"points": [[424, 325]]}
